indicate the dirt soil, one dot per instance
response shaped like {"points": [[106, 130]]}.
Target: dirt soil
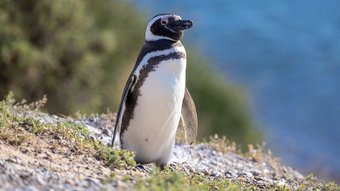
{"points": [[51, 162]]}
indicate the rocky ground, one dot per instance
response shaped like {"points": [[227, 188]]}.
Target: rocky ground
{"points": [[54, 161]]}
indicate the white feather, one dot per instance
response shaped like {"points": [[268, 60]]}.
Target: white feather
{"points": [[151, 132]]}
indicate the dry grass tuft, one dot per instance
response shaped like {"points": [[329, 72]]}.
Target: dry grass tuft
{"points": [[223, 145]]}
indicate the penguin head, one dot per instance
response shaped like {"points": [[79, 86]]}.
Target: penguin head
{"points": [[166, 26]]}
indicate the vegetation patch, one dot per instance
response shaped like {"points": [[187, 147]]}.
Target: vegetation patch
{"points": [[177, 180], [18, 124], [64, 153]]}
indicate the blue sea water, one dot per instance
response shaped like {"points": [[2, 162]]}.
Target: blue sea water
{"points": [[287, 54]]}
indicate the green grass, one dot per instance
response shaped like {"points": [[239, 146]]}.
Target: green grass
{"points": [[177, 181], [15, 130]]}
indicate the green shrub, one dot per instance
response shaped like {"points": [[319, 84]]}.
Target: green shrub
{"points": [[80, 53], [222, 107], [71, 50]]}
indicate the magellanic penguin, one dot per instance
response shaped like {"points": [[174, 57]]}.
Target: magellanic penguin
{"points": [[155, 97]]}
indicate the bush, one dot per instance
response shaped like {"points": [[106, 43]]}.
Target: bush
{"points": [[80, 52], [71, 50], [221, 106]]}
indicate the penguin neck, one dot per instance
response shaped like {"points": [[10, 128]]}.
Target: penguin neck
{"points": [[163, 43], [156, 45]]}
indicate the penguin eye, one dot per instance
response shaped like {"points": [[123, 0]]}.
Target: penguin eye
{"points": [[164, 21]]}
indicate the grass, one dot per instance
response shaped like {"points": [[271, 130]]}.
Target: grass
{"points": [[312, 182], [15, 130], [179, 181]]}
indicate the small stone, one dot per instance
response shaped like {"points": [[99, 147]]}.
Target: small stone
{"points": [[229, 174], [105, 132], [40, 180], [56, 136], [255, 172], [215, 174]]}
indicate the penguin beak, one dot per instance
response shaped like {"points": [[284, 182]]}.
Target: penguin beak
{"points": [[180, 25]]}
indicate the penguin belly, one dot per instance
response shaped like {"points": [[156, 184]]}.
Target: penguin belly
{"points": [[152, 130]]}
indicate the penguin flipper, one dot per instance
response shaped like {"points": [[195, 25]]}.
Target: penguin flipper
{"points": [[189, 118], [128, 88]]}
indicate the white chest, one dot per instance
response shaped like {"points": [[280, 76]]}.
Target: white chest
{"points": [[151, 132]]}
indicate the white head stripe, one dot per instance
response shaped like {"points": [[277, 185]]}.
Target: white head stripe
{"points": [[148, 34]]}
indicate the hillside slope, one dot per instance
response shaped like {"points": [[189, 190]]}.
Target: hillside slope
{"points": [[41, 151]]}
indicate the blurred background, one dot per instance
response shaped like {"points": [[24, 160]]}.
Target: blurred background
{"points": [[257, 70]]}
